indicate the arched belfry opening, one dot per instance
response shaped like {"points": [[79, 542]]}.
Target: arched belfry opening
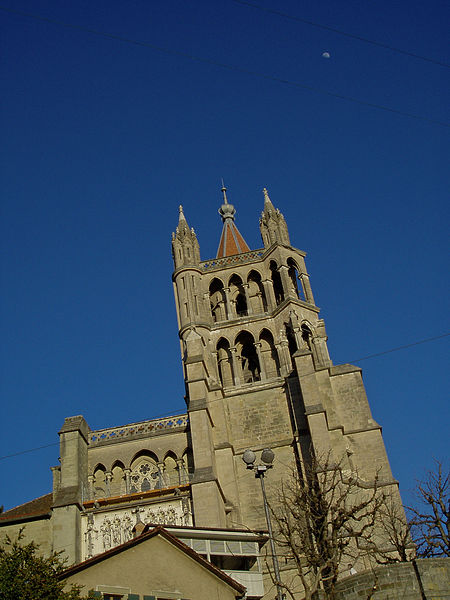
{"points": [[307, 336], [269, 355], [248, 357], [292, 342], [237, 296], [256, 293], [294, 278], [224, 363], [217, 300], [276, 280]]}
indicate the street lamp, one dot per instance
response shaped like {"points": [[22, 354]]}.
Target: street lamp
{"points": [[267, 458]]}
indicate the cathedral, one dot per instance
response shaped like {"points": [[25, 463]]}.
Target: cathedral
{"points": [[258, 375]]}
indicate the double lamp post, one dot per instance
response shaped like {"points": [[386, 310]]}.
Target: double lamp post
{"points": [[267, 457]]}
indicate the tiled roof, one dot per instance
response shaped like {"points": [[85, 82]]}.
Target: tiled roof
{"points": [[231, 241], [35, 508], [158, 530]]}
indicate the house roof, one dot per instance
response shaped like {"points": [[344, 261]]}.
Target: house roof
{"points": [[39, 507], [158, 530]]}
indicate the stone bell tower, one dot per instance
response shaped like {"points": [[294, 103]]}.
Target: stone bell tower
{"points": [[257, 370]]}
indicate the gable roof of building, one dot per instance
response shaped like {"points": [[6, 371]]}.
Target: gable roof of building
{"points": [[158, 530], [39, 507]]}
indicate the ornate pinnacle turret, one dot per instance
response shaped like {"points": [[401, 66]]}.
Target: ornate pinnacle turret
{"points": [[272, 224], [268, 206], [231, 240], [185, 248]]}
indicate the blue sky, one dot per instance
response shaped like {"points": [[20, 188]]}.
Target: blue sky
{"points": [[103, 139]]}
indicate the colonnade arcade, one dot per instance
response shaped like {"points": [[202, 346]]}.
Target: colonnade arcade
{"points": [[259, 358], [254, 295], [145, 472]]}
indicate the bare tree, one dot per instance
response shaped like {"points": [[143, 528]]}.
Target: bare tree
{"points": [[325, 518], [430, 521], [394, 529]]}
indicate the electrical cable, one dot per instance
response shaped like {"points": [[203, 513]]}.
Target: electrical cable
{"points": [[227, 66], [360, 38], [438, 337]]}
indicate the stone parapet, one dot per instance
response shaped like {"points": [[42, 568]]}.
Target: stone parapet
{"points": [[137, 430]]}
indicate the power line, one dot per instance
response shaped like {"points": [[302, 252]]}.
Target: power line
{"points": [[29, 450], [227, 66], [438, 337], [340, 32]]}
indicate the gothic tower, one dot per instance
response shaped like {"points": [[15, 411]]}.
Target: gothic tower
{"points": [[257, 370]]}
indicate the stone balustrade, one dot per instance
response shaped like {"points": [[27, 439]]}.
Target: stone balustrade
{"points": [[136, 430]]}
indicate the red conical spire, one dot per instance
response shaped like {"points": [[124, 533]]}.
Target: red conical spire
{"points": [[231, 240]]}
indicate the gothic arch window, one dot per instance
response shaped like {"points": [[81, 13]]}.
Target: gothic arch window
{"points": [[276, 280], [224, 362], [237, 295], [256, 293], [99, 482], [117, 483], [291, 339], [145, 474], [294, 278], [217, 300], [269, 354], [248, 357]]}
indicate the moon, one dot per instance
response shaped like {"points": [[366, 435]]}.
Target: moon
{"points": [[326, 55]]}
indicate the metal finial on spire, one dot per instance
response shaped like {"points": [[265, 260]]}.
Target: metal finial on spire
{"points": [[224, 192], [266, 194]]}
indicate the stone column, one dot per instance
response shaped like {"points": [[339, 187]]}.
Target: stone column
{"points": [[283, 353], [247, 298], [236, 366], [262, 366], [162, 475], [127, 480], [286, 282], [304, 278], [91, 490], [108, 477], [182, 475], [228, 310], [270, 294]]}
